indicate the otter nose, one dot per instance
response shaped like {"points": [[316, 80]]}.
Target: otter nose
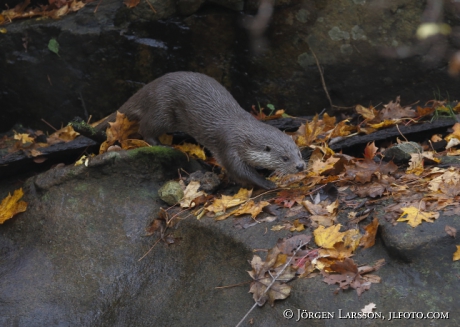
{"points": [[300, 166]]}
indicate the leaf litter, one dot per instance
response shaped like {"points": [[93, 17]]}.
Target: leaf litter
{"points": [[420, 192]]}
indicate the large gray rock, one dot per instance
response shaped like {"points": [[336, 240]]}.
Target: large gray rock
{"points": [[72, 259]]}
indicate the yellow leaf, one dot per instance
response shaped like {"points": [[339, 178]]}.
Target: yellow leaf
{"points": [[385, 123], [415, 164], [193, 150], [251, 208], [367, 113], [65, 134], [327, 237], [298, 226], [276, 228], [24, 138], [81, 160], [220, 205], [11, 206], [166, 139], [457, 253], [414, 216], [133, 144], [351, 239]]}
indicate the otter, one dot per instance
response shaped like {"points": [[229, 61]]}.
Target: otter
{"points": [[198, 105]]}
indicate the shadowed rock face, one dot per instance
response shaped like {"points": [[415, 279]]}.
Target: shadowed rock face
{"points": [[106, 56]]}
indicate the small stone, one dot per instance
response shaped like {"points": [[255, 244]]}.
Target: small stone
{"points": [[171, 192]]}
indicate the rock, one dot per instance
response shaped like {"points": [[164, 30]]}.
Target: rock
{"points": [[401, 153], [171, 192]]}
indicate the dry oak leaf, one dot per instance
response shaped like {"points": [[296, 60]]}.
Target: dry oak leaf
{"points": [[456, 254], [368, 239], [11, 205], [327, 237], [193, 150], [414, 216]]}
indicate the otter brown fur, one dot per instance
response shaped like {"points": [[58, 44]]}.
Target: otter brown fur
{"points": [[201, 107]]}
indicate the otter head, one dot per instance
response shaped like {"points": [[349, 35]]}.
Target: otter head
{"points": [[275, 151]]}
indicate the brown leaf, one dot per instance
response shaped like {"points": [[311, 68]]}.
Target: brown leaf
{"points": [[368, 239], [451, 231], [370, 151], [131, 3], [393, 110]]}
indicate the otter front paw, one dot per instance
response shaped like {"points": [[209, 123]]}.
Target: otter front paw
{"points": [[266, 184]]}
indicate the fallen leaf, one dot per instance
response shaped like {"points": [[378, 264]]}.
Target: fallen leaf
{"points": [[327, 237], [457, 254], [451, 231], [193, 150], [368, 239], [11, 205], [414, 216]]}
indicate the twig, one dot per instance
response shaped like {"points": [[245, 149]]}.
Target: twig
{"points": [[49, 125], [322, 77], [85, 112], [229, 286], [273, 281], [397, 127], [95, 9], [154, 244], [151, 7]]}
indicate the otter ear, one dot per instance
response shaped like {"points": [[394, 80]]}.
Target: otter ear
{"points": [[267, 148]]}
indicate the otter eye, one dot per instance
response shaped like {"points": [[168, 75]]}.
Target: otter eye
{"points": [[285, 159], [267, 149]]}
